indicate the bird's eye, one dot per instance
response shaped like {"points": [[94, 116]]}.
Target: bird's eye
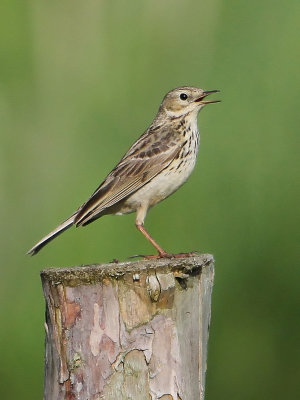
{"points": [[183, 96]]}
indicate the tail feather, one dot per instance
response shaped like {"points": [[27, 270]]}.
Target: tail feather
{"points": [[57, 231]]}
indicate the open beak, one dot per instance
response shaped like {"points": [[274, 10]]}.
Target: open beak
{"points": [[206, 93]]}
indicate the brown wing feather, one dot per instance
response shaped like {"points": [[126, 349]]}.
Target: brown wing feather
{"points": [[143, 161]]}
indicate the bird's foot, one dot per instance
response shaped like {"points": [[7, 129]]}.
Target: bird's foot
{"points": [[183, 255], [114, 261], [166, 255], [157, 256], [153, 256], [170, 255]]}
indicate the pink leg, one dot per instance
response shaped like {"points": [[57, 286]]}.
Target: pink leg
{"points": [[161, 252]]}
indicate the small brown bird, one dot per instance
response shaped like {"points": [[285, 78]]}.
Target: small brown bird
{"points": [[154, 167]]}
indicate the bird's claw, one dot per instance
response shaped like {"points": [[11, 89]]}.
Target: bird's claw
{"points": [[170, 255], [165, 255], [136, 256], [114, 261]]}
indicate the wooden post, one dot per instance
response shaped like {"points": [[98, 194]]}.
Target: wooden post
{"points": [[135, 331]]}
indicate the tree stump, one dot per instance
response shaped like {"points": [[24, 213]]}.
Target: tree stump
{"points": [[134, 331]]}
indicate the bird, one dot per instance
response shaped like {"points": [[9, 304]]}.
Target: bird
{"points": [[154, 167]]}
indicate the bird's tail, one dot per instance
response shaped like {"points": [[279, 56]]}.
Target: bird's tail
{"points": [[57, 231]]}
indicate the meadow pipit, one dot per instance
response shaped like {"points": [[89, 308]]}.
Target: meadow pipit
{"points": [[154, 167]]}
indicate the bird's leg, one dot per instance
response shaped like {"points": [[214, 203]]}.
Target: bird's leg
{"points": [[161, 252]]}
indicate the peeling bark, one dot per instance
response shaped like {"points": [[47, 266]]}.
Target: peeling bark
{"points": [[134, 331]]}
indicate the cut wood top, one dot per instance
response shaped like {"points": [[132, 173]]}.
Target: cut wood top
{"points": [[93, 273]]}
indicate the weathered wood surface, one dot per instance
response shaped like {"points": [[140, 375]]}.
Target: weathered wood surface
{"points": [[134, 331]]}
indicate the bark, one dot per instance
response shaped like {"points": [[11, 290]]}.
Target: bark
{"points": [[134, 331]]}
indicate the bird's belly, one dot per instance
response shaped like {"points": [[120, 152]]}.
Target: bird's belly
{"points": [[161, 186]]}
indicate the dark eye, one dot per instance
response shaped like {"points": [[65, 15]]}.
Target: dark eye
{"points": [[183, 96]]}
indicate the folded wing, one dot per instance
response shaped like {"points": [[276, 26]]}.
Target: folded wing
{"points": [[143, 161]]}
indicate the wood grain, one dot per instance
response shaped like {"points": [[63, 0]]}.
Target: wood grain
{"points": [[129, 330]]}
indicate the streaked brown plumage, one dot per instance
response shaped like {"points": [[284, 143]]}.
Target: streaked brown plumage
{"points": [[155, 166]]}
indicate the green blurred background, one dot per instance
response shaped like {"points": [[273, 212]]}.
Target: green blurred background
{"points": [[79, 82]]}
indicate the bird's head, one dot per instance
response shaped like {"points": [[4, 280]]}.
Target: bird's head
{"points": [[185, 100]]}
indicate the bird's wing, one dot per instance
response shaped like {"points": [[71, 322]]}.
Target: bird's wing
{"points": [[143, 161]]}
